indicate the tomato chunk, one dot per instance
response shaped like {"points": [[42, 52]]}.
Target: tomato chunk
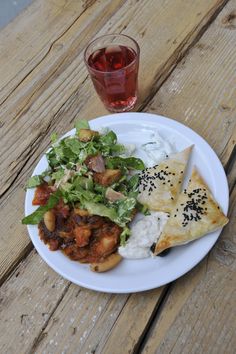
{"points": [[42, 194]]}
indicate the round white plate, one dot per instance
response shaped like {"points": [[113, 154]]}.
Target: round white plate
{"points": [[143, 274]]}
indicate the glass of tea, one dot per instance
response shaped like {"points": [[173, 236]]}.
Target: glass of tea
{"points": [[112, 61]]}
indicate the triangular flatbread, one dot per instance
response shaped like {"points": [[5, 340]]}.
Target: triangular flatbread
{"points": [[195, 214], [159, 186]]}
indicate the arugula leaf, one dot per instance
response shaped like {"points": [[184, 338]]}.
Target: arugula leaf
{"points": [[129, 162], [100, 209], [38, 214], [80, 190], [74, 145], [133, 182], [109, 138], [34, 181], [143, 208], [54, 137], [81, 124], [57, 176], [125, 208], [124, 235], [84, 182], [118, 149], [52, 158]]}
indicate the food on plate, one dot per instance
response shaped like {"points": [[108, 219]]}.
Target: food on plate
{"points": [[196, 213], [157, 149], [110, 262], [96, 207], [160, 185], [87, 197], [145, 229]]}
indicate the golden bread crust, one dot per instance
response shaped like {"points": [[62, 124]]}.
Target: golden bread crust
{"points": [[195, 214]]}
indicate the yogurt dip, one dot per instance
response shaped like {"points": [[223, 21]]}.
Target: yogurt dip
{"points": [[145, 230], [157, 149]]}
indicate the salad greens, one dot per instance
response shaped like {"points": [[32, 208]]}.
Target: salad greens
{"points": [[73, 180], [36, 216]]}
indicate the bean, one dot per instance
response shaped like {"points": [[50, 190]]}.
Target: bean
{"points": [[50, 220], [110, 262]]}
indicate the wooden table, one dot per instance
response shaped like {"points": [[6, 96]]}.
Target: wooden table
{"points": [[188, 73]]}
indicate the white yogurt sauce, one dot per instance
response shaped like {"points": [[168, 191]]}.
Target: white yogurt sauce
{"points": [[157, 149], [145, 230]]}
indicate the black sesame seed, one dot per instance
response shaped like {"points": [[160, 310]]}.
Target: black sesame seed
{"points": [[152, 248]]}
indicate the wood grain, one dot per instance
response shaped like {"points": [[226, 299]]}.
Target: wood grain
{"points": [[27, 302], [201, 92], [103, 321], [36, 32], [57, 90]]}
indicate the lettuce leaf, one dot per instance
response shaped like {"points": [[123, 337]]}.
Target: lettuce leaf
{"points": [[34, 181], [133, 163], [81, 124], [38, 214]]}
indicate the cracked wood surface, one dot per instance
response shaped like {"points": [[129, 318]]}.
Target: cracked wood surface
{"points": [[57, 90], [52, 315]]}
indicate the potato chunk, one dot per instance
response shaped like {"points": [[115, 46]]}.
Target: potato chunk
{"points": [[107, 177], [87, 134], [110, 262]]}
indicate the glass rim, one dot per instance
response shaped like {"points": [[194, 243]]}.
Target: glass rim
{"points": [[115, 71]]}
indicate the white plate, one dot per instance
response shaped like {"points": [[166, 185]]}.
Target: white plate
{"points": [[139, 275]]}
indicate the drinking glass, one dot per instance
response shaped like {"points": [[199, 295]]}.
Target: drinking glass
{"points": [[112, 61]]}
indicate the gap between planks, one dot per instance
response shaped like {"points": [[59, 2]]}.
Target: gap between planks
{"points": [[160, 80], [163, 298]]}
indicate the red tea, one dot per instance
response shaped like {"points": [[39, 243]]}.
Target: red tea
{"points": [[114, 72]]}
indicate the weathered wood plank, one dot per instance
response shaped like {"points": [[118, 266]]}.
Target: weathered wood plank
{"points": [[61, 93], [27, 301], [123, 319], [28, 39], [91, 336], [201, 92], [30, 95]]}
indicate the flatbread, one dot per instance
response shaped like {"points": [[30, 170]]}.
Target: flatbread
{"points": [[159, 186], [196, 213]]}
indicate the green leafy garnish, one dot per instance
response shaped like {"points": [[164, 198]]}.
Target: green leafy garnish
{"points": [[100, 209], [34, 181], [133, 163], [38, 214], [124, 236], [81, 124], [54, 138], [70, 173], [125, 209], [57, 176]]}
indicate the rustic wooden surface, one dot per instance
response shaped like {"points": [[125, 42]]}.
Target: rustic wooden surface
{"points": [[57, 89], [187, 73]]}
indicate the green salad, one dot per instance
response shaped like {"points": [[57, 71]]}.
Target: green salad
{"points": [[94, 172]]}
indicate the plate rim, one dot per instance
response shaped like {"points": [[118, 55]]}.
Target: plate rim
{"points": [[171, 123]]}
